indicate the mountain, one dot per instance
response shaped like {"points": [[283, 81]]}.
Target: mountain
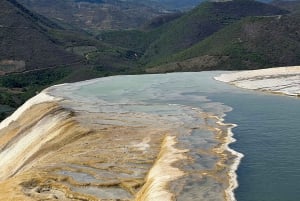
{"points": [[36, 52], [25, 41], [30, 42], [201, 22], [96, 14], [26, 45], [216, 35], [41, 43], [252, 43]]}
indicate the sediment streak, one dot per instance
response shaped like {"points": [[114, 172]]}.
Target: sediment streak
{"points": [[162, 173]]}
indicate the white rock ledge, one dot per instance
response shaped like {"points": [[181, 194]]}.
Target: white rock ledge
{"points": [[284, 80]]}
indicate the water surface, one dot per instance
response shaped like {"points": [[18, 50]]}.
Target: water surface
{"points": [[267, 133]]}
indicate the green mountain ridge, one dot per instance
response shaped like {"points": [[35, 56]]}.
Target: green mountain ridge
{"points": [[201, 22], [252, 43], [168, 41]]}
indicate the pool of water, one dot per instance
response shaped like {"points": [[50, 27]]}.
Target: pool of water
{"points": [[268, 131]]}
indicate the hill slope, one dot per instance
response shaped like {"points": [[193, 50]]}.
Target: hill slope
{"points": [[96, 14], [202, 22], [253, 43], [35, 52], [25, 42]]}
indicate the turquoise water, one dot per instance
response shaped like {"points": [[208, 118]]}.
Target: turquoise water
{"points": [[268, 134], [268, 131]]}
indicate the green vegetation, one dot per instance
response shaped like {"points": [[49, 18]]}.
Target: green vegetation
{"points": [[33, 79], [134, 40], [240, 34], [200, 23], [17, 88], [252, 43]]}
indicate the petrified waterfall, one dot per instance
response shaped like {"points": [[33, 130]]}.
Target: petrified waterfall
{"points": [[108, 139]]}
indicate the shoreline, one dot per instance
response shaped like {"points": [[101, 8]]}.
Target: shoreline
{"points": [[277, 81], [233, 177], [233, 183]]}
